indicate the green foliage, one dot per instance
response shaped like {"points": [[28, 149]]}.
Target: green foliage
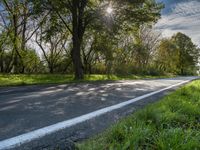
{"points": [[91, 16], [172, 123], [188, 53], [178, 55], [167, 57], [32, 61], [87, 39]]}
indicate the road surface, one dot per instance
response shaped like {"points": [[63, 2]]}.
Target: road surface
{"points": [[28, 108]]}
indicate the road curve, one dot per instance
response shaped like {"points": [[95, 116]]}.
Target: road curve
{"points": [[29, 108]]}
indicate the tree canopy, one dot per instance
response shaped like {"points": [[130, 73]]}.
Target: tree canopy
{"points": [[83, 37]]}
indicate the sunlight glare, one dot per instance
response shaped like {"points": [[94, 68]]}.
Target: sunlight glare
{"points": [[109, 10]]}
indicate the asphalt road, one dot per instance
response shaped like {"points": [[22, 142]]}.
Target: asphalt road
{"points": [[27, 108]]}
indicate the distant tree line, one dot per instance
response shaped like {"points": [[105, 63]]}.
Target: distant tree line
{"points": [[81, 37]]}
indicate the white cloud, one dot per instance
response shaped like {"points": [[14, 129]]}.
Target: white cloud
{"points": [[185, 18]]}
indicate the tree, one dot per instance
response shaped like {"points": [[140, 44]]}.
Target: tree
{"points": [[178, 55], [78, 15], [167, 58], [10, 10], [17, 22], [188, 53], [32, 61], [52, 47]]}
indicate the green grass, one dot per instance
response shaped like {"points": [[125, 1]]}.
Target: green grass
{"points": [[170, 124], [22, 79]]}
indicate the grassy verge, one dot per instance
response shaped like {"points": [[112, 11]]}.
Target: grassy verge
{"points": [[21, 79], [172, 123]]}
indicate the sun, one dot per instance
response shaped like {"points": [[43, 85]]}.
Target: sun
{"points": [[109, 10]]}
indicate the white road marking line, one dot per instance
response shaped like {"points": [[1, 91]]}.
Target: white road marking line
{"points": [[27, 137]]}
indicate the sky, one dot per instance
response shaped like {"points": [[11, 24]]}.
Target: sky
{"points": [[180, 16]]}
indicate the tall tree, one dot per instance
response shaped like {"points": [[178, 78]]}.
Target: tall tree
{"points": [[188, 52], [78, 15], [16, 21], [167, 58]]}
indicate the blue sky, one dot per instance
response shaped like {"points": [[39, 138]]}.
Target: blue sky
{"points": [[181, 16]]}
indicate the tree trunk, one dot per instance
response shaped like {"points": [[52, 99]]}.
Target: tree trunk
{"points": [[1, 65], [90, 68], [77, 33], [17, 56], [51, 69], [76, 58], [1, 61], [24, 28]]}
